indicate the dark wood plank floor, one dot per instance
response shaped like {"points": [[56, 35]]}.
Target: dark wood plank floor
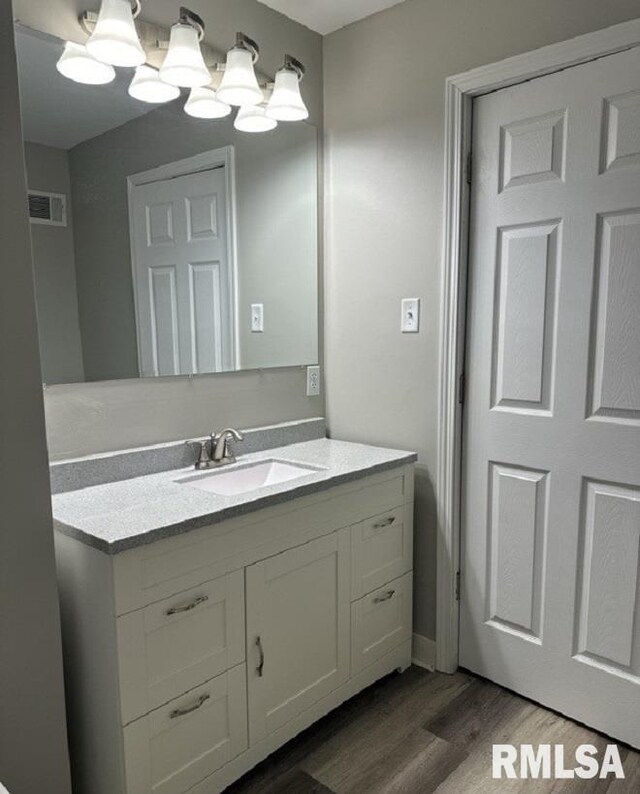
{"points": [[421, 732]]}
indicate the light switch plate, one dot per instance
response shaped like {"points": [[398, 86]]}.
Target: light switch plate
{"points": [[257, 318], [410, 318], [313, 381]]}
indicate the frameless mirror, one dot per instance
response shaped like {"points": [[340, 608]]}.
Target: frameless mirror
{"points": [[163, 244]]}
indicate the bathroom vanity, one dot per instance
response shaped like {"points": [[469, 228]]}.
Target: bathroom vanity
{"points": [[202, 630]]}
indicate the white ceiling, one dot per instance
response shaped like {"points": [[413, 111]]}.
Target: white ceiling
{"points": [[58, 112], [325, 16]]}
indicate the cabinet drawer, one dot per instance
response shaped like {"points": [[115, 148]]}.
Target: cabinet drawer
{"points": [[174, 645], [381, 549], [380, 621], [171, 749]]}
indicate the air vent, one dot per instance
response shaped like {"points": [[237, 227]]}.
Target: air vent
{"points": [[48, 208]]}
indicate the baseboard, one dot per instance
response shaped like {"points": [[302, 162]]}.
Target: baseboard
{"points": [[423, 652]]}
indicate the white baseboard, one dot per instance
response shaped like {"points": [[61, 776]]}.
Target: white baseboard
{"points": [[423, 652]]}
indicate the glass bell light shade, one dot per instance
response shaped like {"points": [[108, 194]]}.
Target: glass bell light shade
{"points": [[148, 87], [286, 103], [115, 39], [239, 86], [204, 104], [184, 65], [78, 65], [253, 118]]}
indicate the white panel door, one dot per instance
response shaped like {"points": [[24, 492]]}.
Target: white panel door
{"points": [[297, 630], [182, 275], [551, 498]]}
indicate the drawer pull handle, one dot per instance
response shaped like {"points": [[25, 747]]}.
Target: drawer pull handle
{"points": [[260, 667], [384, 597], [386, 523], [187, 607], [188, 709]]}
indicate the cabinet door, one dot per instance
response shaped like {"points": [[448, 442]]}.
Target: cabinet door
{"points": [[171, 749], [297, 630]]}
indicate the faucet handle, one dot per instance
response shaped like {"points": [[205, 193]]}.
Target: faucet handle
{"points": [[204, 458]]}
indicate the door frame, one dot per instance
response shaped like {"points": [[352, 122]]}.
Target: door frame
{"points": [[225, 156], [460, 91]]}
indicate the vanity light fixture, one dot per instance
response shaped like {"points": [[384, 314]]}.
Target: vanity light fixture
{"points": [[184, 65], [147, 86], [239, 86], [253, 118], [204, 104], [114, 39], [78, 65], [286, 103]]}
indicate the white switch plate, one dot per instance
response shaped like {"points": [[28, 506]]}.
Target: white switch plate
{"points": [[410, 320], [313, 381], [257, 318]]}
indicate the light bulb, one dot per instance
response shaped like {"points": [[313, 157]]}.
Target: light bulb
{"points": [[204, 104], [286, 103], [184, 65], [239, 85], [253, 118], [78, 65], [148, 87], [115, 39]]}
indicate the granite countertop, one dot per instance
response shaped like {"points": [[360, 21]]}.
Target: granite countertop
{"points": [[122, 515]]}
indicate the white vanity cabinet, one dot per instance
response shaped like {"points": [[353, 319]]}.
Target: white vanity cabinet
{"points": [[190, 659]]}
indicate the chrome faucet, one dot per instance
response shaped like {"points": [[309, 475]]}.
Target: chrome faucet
{"points": [[216, 452], [220, 449]]}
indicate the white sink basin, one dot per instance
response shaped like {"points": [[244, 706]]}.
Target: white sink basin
{"points": [[243, 479]]}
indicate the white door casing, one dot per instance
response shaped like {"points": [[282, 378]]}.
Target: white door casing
{"points": [[551, 495], [183, 272]]}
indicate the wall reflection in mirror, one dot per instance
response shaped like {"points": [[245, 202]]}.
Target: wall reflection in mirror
{"points": [[163, 244]]}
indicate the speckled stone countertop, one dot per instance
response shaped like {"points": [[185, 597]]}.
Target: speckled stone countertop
{"points": [[122, 515]]}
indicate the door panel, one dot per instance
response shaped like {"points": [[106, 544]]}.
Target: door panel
{"points": [[183, 276], [297, 630], [551, 495]]}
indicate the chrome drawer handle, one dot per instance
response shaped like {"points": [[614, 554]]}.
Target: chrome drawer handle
{"points": [[260, 667], [386, 523], [187, 607], [384, 597], [188, 709]]}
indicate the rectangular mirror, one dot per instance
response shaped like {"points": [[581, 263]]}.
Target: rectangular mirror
{"points": [[163, 244]]}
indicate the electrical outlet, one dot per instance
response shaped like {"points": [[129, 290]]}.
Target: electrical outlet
{"points": [[257, 318], [410, 319], [313, 381]]}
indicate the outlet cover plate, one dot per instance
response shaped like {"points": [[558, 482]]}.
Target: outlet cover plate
{"points": [[313, 381]]}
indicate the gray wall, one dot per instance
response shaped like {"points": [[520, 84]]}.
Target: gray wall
{"points": [[90, 417], [384, 124], [33, 747], [276, 179], [55, 273]]}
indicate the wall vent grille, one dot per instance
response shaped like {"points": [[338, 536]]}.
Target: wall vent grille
{"points": [[47, 208]]}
